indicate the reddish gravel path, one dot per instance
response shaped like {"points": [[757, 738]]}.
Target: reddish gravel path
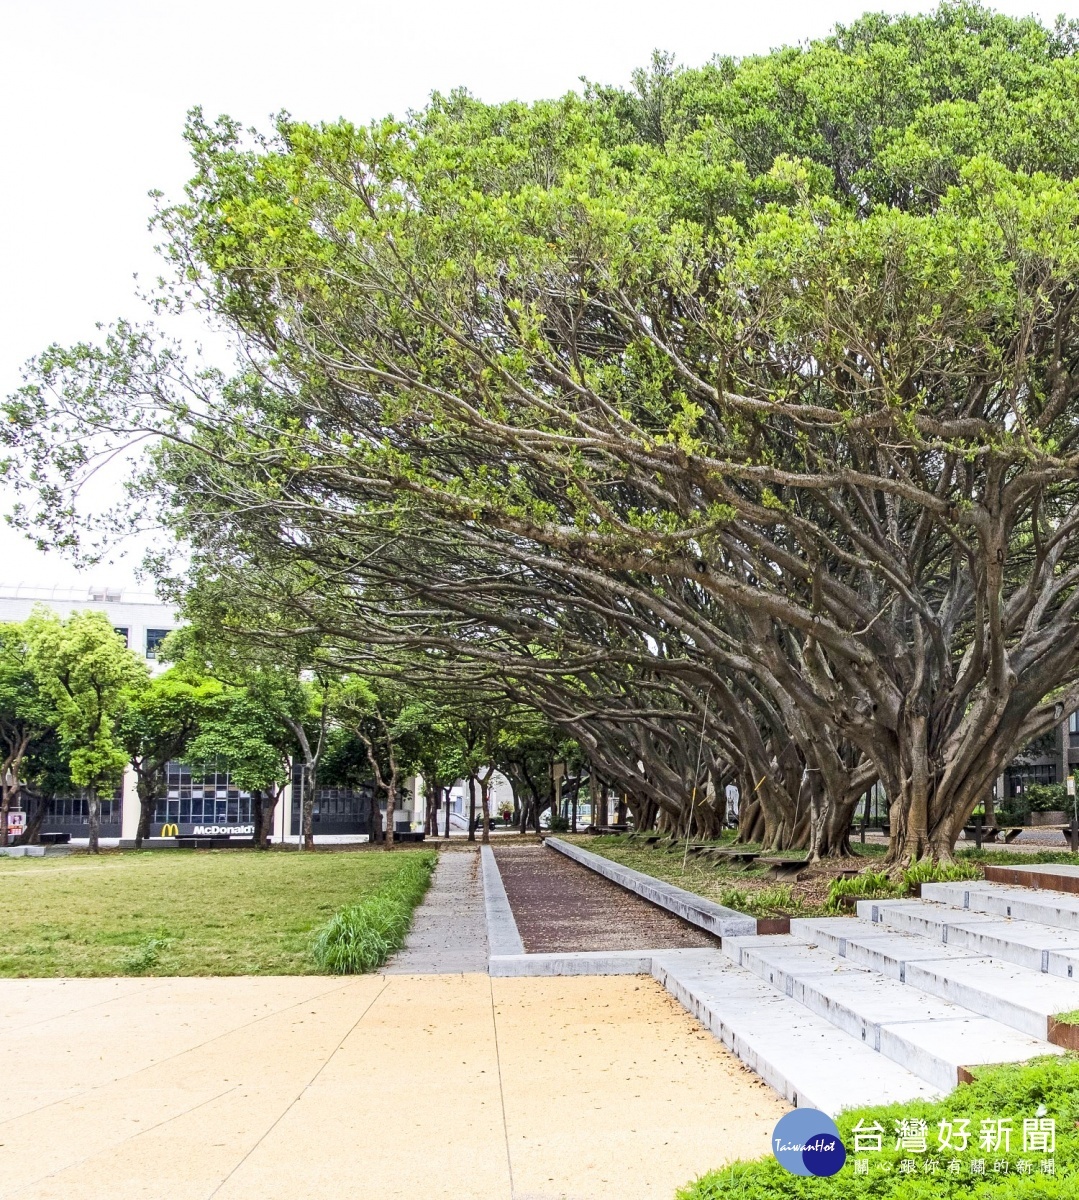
{"points": [[561, 906]]}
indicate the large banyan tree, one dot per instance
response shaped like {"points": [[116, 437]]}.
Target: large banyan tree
{"points": [[783, 348]]}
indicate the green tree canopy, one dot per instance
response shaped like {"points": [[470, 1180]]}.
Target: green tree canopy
{"points": [[86, 670], [28, 715], [764, 374], [159, 719]]}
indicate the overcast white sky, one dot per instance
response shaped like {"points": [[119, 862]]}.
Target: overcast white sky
{"points": [[95, 93]]}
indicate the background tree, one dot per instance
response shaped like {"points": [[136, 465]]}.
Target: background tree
{"points": [[771, 366], [239, 730], [28, 716], [159, 719], [86, 670], [288, 686], [390, 724], [47, 777]]}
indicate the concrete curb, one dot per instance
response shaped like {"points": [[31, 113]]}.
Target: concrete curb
{"points": [[707, 915], [589, 962], [609, 962], [503, 939]]}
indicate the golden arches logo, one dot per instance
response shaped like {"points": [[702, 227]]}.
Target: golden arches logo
{"points": [[170, 830]]}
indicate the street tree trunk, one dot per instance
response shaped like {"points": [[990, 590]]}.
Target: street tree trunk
{"points": [[263, 804], [374, 821], [9, 780], [472, 808], [35, 818], [93, 805], [309, 770], [485, 792]]}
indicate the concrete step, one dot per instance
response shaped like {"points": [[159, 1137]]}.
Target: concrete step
{"points": [[1011, 994], [873, 946], [1029, 944], [804, 1056], [936, 1039], [1055, 909]]}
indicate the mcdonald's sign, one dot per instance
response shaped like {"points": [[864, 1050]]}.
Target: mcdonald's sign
{"points": [[170, 830]]}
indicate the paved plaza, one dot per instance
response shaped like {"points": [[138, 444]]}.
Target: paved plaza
{"points": [[374, 1086]]}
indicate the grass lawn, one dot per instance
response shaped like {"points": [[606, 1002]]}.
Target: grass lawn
{"points": [[179, 912], [749, 891], [1013, 858]]}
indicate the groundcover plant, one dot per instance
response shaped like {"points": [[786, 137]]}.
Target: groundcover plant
{"points": [[1010, 1133]]}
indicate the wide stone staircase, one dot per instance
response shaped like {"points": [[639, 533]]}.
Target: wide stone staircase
{"points": [[902, 1001]]}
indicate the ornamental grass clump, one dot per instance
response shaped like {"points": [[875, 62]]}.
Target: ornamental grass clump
{"points": [[928, 871], [879, 885], [360, 937], [869, 885]]}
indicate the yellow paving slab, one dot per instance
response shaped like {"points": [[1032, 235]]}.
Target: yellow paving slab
{"points": [[180, 1127], [414, 1090], [30, 1002], [377, 1086], [614, 1090], [80, 1047]]}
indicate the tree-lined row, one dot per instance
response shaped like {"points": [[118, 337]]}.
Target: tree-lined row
{"points": [[729, 421], [77, 706]]}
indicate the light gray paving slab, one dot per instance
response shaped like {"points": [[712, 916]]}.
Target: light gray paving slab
{"points": [[1005, 900], [449, 928], [503, 937], [926, 918], [1025, 943], [706, 914]]}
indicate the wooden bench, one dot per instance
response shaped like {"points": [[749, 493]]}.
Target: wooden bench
{"points": [[1011, 834], [745, 857], [783, 868], [55, 839]]}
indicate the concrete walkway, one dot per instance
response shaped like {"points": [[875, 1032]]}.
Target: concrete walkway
{"points": [[372, 1087], [449, 929]]}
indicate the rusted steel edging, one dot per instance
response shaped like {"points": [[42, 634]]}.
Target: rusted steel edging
{"points": [[716, 919]]}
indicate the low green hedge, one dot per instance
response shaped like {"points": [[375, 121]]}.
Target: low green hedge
{"points": [[1047, 1088]]}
